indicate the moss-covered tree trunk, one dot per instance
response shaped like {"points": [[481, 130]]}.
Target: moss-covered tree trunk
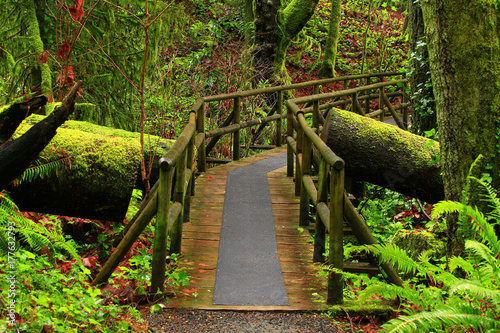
{"points": [[464, 51], [275, 28], [105, 169], [43, 70], [328, 65], [421, 92], [385, 155]]}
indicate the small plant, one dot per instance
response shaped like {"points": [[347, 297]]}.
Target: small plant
{"points": [[439, 300]]}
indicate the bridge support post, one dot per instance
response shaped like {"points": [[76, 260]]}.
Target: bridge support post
{"points": [[320, 232], [236, 135], [161, 230], [200, 128], [336, 236], [180, 179], [306, 170], [289, 149], [279, 123]]}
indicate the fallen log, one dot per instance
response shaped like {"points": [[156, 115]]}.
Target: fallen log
{"points": [[105, 170], [385, 155], [16, 155], [12, 116]]}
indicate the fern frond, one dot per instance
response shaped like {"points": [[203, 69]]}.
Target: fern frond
{"points": [[50, 161], [396, 256], [480, 224], [35, 235], [463, 315], [476, 290]]}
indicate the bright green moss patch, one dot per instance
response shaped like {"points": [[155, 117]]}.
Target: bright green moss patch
{"points": [[356, 308]]}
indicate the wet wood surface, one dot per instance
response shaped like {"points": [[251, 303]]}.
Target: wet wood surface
{"points": [[306, 290]]}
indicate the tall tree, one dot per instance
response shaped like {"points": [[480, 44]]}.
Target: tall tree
{"points": [[275, 27], [328, 65], [421, 92], [464, 51]]}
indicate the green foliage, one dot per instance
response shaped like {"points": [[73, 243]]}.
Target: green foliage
{"points": [[58, 299], [49, 161], [16, 230], [379, 207], [439, 300]]}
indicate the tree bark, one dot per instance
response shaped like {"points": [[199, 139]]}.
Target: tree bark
{"points": [[464, 50], [38, 48], [16, 113], [105, 170], [421, 92], [385, 155], [16, 155], [275, 28], [328, 65]]}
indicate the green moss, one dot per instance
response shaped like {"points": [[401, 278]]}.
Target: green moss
{"points": [[415, 242], [100, 155], [356, 308], [392, 137]]}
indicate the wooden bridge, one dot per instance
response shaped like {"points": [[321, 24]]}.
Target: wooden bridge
{"points": [[188, 200]]}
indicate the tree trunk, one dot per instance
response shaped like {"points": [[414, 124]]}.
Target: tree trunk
{"points": [[11, 117], [266, 38], [421, 93], [16, 155], [291, 21], [275, 28], [38, 48], [385, 155], [464, 51], [104, 171], [328, 66]]}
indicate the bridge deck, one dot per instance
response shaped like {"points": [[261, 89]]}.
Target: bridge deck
{"points": [[201, 236]]}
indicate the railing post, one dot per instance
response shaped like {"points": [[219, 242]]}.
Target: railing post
{"points": [[336, 253], [306, 170], [161, 230], [279, 124], [180, 179], [316, 108], [298, 160], [200, 127], [320, 233], [236, 135], [405, 100], [367, 101], [344, 97], [354, 103], [190, 188], [381, 102], [289, 149]]}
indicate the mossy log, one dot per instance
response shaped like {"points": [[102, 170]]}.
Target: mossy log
{"points": [[16, 155], [12, 116], [385, 155], [104, 172]]}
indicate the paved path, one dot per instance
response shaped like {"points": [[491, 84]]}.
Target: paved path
{"points": [[248, 268]]}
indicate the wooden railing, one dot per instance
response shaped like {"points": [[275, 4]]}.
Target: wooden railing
{"points": [[177, 168], [307, 146]]}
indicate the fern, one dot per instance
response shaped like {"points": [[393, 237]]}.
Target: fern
{"points": [[50, 161], [460, 316], [36, 236], [472, 302]]}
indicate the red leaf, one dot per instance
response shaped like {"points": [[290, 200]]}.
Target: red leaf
{"points": [[67, 77], [63, 51], [43, 57], [76, 11]]}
